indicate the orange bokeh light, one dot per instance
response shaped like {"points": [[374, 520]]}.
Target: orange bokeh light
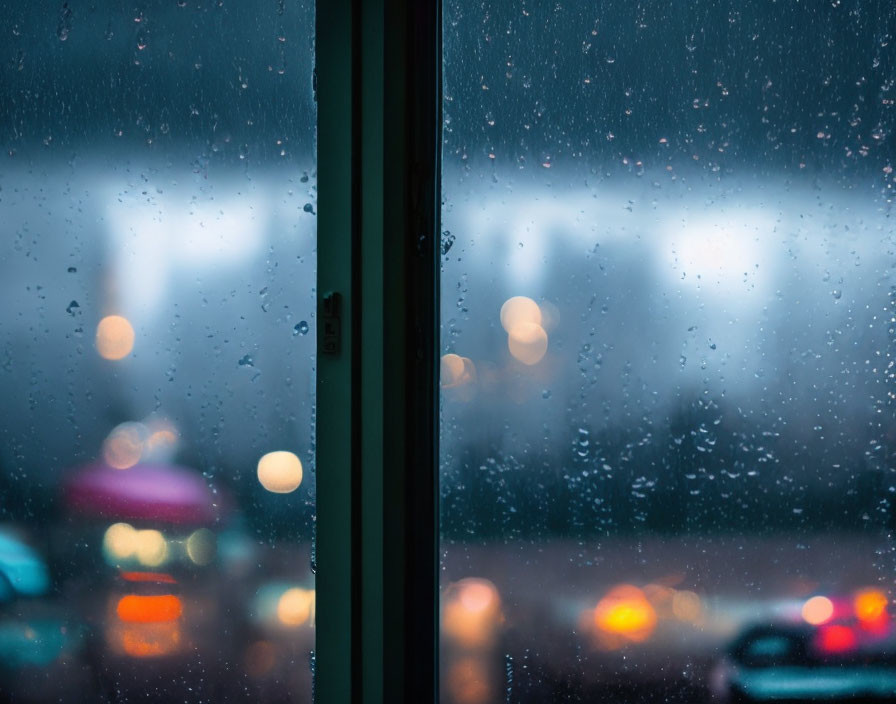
{"points": [[455, 370], [472, 612], [280, 472], [451, 369], [123, 447], [134, 608], [114, 337], [146, 640], [519, 309], [625, 611], [527, 342], [686, 606], [295, 606], [818, 610], [870, 605], [469, 681]]}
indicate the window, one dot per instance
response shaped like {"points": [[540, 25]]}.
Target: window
{"points": [[158, 264], [659, 409], [667, 340]]}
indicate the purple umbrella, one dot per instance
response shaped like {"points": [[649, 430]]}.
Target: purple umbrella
{"points": [[164, 493]]}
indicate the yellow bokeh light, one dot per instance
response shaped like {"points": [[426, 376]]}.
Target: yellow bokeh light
{"points": [[686, 606], [817, 610], [870, 604], [280, 472], [625, 611], [295, 606], [114, 337], [201, 546], [151, 547], [527, 342], [519, 309], [123, 447], [120, 541]]}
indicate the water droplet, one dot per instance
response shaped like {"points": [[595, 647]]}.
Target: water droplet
{"points": [[508, 677], [582, 443], [300, 328], [837, 293], [72, 270], [65, 22], [72, 307], [308, 208], [246, 361], [447, 241]]}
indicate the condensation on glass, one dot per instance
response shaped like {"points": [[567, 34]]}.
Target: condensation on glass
{"points": [[668, 334], [157, 268]]}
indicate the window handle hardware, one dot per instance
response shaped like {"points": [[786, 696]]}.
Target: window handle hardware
{"points": [[331, 324]]}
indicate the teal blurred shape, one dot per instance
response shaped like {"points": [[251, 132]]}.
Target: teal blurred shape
{"points": [[36, 643], [22, 569]]}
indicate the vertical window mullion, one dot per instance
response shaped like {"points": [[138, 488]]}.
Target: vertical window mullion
{"points": [[378, 138], [336, 550]]}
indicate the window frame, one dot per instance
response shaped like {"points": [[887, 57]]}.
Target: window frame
{"points": [[378, 90]]}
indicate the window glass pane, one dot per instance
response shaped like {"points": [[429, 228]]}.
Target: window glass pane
{"points": [[157, 340], [668, 305]]}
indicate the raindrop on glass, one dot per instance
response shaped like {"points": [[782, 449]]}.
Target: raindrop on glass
{"points": [[447, 241]]}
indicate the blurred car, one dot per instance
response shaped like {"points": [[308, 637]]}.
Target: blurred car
{"points": [[802, 663]]}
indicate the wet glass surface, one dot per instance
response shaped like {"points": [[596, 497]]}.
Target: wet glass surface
{"points": [[667, 371], [157, 339]]}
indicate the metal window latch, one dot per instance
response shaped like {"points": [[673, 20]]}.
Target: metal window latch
{"points": [[331, 324]]}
